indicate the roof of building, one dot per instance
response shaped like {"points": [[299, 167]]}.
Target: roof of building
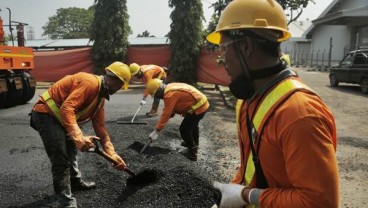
{"points": [[335, 15], [77, 43]]}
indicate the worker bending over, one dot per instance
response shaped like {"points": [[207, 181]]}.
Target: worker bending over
{"points": [[287, 134], [148, 72], [183, 99], [57, 115]]}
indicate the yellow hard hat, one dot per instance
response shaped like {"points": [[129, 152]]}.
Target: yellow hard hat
{"points": [[251, 14], [153, 85], [121, 71], [134, 68]]}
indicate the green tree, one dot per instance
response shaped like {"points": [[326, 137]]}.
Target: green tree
{"points": [[110, 31], [145, 34], [69, 23], [185, 39]]}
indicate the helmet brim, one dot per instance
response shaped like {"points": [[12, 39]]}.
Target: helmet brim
{"points": [[214, 38]]}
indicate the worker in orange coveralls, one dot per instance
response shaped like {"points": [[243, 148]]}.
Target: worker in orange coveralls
{"points": [[57, 115], [287, 134], [183, 99], [148, 72]]}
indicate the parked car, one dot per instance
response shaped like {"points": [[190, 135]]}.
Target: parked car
{"points": [[352, 69]]}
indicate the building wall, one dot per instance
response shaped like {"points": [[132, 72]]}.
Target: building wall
{"points": [[341, 36]]}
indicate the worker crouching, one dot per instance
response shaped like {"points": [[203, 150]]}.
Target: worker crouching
{"points": [[57, 116], [183, 99], [148, 72]]}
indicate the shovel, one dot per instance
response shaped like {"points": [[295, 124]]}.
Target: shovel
{"points": [[145, 146], [141, 179], [97, 149], [132, 121]]}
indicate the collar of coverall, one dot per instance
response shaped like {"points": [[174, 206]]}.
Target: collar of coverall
{"points": [[104, 91]]}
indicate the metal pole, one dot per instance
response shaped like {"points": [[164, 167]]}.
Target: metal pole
{"points": [[330, 53], [10, 27]]}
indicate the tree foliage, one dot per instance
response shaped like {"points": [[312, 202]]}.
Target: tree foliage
{"points": [[185, 39], [145, 34], [110, 31], [69, 23]]}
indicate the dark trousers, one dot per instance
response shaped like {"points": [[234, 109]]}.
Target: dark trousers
{"points": [[189, 130], [62, 153]]}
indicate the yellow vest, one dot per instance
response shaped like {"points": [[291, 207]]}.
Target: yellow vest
{"points": [[200, 98], [272, 99], [55, 109]]}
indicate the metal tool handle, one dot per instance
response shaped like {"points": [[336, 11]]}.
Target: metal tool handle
{"points": [[99, 151], [146, 145], [140, 106]]}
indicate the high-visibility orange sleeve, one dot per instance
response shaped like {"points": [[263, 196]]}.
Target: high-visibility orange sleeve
{"points": [[297, 154], [152, 72], [98, 122], [175, 102], [72, 93]]}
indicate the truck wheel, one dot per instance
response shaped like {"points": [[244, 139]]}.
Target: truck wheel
{"points": [[3, 92], [364, 85], [333, 81], [15, 91], [29, 87]]}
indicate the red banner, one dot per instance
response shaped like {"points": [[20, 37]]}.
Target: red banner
{"points": [[51, 66]]}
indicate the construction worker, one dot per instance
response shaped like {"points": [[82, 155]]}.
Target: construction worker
{"points": [[287, 134], [183, 99], [148, 72], [57, 116]]}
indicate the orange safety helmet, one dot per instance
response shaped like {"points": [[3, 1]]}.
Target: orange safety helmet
{"points": [[251, 14], [121, 71]]}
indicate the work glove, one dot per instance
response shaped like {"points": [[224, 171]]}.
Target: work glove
{"points": [[231, 195], [153, 136], [121, 165], [143, 102], [83, 143]]}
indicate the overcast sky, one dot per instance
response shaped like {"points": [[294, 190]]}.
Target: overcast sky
{"points": [[150, 15]]}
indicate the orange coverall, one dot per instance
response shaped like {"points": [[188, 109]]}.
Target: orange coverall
{"points": [[150, 72], [297, 153], [179, 102], [73, 93]]}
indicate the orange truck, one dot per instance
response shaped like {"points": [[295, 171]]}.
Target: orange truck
{"points": [[17, 85]]}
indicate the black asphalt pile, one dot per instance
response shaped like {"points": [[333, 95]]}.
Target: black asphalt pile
{"points": [[143, 178], [164, 178]]}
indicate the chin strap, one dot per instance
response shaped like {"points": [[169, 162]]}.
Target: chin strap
{"points": [[268, 71]]}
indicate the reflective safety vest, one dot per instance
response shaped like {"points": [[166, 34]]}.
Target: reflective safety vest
{"points": [[149, 67], [55, 108], [286, 58], [200, 98], [271, 100]]}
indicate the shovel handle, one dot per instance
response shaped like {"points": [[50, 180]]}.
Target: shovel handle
{"points": [[110, 159], [113, 161]]}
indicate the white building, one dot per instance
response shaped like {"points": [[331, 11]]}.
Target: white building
{"points": [[342, 27]]}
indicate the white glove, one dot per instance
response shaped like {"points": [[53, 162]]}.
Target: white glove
{"points": [[231, 195], [143, 102], [154, 135]]}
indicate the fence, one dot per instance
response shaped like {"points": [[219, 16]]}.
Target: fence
{"points": [[320, 59]]}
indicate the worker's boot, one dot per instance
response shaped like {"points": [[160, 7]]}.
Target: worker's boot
{"points": [[153, 111], [64, 195], [190, 153], [78, 184], [184, 144]]}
